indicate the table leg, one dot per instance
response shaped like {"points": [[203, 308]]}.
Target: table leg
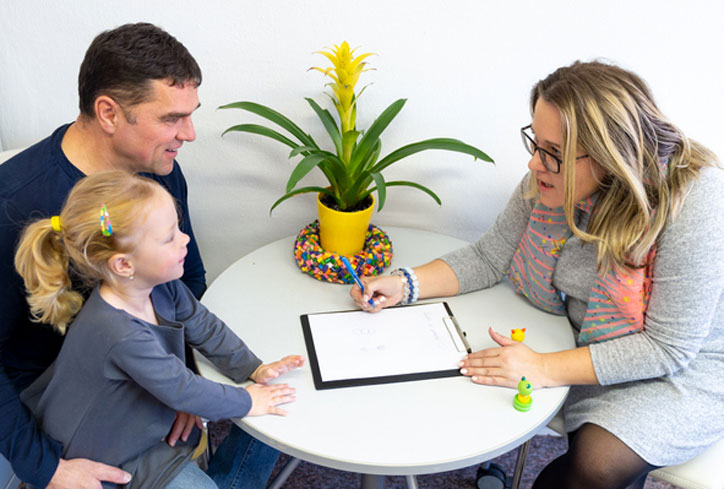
{"points": [[520, 464], [370, 481], [284, 474], [411, 482]]}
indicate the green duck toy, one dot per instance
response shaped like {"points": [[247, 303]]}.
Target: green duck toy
{"points": [[523, 401]]}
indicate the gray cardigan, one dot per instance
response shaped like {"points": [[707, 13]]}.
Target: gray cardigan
{"points": [[661, 391], [113, 392]]}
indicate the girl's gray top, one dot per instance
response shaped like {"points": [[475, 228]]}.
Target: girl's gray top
{"points": [[114, 390], [661, 391]]}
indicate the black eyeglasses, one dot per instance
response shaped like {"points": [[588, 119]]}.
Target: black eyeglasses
{"points": [[549, 160]]}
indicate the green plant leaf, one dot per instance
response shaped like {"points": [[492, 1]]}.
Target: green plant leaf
{"points": [[301, 149], [303, 190], [329, 124], [403, 183], [349, 140], [275, 117], [446, 144], [356, 191], [302, 168], [333, 164], [263, 131], [371, 158], [369, 139], [381, 190]]}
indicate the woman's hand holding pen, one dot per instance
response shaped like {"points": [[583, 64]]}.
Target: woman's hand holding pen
{"points": [[385, 291], [505, 365], [269, 371]]}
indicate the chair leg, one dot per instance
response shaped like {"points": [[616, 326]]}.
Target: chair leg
{"points": [[284, 474], [14, 483], [520, 464], [203, 452]]}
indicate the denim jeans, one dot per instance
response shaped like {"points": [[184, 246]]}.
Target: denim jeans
{"points": [[192, 477], [242, 462]]}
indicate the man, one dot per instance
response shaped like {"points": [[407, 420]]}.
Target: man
{"points": [[138, 88]]}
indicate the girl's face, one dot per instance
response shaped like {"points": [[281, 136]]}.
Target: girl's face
{"points": [[161, 246], [548, 129]]}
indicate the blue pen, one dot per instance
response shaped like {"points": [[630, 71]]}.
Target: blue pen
{"points": [[351, 271]]}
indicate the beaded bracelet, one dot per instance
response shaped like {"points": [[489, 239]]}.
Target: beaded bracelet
{"points": [[411, 286], [405, 289]]}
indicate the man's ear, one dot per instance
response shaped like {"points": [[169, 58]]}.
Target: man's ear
{"points": [[121, 266], [108, 113]]}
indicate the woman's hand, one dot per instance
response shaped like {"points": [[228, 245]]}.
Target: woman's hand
{"points": [[266, 372], [505, 365], [386, 291], [265, 399]]}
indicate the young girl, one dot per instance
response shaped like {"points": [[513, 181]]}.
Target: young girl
{"points": [[114, 390]]}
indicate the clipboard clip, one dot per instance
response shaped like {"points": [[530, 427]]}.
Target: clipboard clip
{"points": [[456, 334]]}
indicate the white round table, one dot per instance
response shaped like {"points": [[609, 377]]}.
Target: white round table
{"points": [[403, 428]]}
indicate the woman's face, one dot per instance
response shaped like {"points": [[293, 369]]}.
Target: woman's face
{"points": [[548, 130]]}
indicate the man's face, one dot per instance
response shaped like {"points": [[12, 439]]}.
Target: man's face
{"points": [[157, 128]]}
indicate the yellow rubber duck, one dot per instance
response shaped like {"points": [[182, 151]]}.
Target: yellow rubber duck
{"points": [[517, 334]]}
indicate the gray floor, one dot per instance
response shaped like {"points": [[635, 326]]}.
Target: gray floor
{"points": [[309, 476]]}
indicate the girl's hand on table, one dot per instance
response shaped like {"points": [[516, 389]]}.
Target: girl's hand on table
{"points": [[269, 371], [265, 399], [504, 365], [386, 291]]}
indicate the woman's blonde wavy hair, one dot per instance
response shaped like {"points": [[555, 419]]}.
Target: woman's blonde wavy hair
{"points": [[47, 259], [648, 163]]}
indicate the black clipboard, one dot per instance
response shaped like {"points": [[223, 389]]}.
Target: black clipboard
{"points": [[451, 327]]}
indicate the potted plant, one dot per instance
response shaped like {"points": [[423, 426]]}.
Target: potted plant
{"points": [[354, 168]]}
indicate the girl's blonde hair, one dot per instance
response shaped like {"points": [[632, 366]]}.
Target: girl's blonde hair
{"points": [[47, 259], [647, 162]]}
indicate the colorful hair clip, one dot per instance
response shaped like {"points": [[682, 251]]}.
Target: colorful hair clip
{"points": [[55, 223], [106, 227]]}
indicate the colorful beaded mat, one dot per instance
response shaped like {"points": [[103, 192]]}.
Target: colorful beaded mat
{"points": [[326, 265]]}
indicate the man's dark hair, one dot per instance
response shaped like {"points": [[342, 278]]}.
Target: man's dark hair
{"points": [[122, 62]]}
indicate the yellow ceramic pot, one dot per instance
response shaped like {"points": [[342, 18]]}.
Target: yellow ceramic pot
{"points": [[343, 232]]}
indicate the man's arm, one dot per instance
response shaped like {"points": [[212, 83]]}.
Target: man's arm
{"points": [[33, 455]]}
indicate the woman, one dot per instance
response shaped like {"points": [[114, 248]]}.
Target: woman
{"points": [[618, 225]]}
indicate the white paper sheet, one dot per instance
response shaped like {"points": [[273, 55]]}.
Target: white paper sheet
{"points": [[406, 340]]}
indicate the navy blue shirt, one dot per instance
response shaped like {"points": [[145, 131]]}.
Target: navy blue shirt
{"points": [[34, 184]]}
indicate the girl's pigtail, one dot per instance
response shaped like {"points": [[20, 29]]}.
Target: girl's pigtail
{"points": [[42, 262]]}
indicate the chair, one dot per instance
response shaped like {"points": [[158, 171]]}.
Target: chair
{"points": [[8, 480], [701, 472]]}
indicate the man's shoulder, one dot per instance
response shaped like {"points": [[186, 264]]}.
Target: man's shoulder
{"points": [[33, 168]]}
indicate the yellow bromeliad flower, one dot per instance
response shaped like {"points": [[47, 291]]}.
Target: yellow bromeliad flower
{"points": [[345, 72], [355, 169]]}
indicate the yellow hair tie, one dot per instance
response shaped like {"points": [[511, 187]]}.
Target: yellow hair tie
{"points": [[55, 223]]}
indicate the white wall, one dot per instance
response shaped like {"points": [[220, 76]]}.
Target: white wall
{"points": [[466, 68]]}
